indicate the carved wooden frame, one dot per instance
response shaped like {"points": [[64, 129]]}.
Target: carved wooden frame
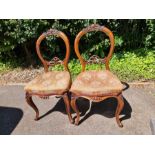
{"points": [[46, 65], [96, 59], [55, 60]]}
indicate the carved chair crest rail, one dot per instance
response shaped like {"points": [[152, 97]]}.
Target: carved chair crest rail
{"points": [[55, 60]]}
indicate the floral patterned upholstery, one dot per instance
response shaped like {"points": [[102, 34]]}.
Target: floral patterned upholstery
{"points": [[96, 83], [54, 82]]}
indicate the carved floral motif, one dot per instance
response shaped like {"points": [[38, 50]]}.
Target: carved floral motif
{"points": [[94, 59], [93, 27], [55, 61], [52, 32]]}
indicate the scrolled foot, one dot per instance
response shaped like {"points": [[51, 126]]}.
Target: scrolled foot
{"points": [[76, 122], [71, 121], [120, 125], [37, 117]]}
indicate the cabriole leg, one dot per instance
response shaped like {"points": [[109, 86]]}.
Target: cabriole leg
{"points": [[67, 104], [31, 103], [120, 106], [74, 106]]}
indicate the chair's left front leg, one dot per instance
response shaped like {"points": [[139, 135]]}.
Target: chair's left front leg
{"points": [[31, 103], [67, 104], [120, 106]]}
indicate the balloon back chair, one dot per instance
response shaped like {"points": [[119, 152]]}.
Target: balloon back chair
{"points": [[96, 85], [51, 83]]}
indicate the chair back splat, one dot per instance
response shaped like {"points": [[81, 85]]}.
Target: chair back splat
{"points": [[55, 60], [94, 58]]}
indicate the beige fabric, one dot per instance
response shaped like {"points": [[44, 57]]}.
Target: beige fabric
{"points": [[49, 83], [96, 83]]}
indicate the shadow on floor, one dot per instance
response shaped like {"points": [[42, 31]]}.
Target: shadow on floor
{"points": [[9, 118], [60, 106], [106, 108]]}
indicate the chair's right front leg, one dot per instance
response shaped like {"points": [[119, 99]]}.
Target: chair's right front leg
{"points": [[67, 104], [74, 107], [31, 103]]}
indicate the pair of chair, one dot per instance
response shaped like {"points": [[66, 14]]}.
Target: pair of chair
{"points": [[93, 85]]}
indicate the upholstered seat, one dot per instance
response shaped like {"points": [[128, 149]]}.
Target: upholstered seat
{"points": [[96, 83], [54, 82]]}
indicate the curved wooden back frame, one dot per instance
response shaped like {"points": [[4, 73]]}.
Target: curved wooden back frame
{"points": [[55, 59], [94, 27]]}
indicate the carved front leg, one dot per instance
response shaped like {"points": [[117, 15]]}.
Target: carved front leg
{"points": [[67, 104], [31, 103], [74, 106], [119, 109]]}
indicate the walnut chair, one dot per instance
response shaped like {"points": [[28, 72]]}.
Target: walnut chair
{"points": [[96, 85], [51, 83]]}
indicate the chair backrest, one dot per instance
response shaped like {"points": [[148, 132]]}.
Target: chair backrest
{"points": [[55, 60], [94, 58]]}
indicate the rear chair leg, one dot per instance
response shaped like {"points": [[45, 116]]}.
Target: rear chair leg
{"points": [[119, 109], [67, 104], [31, 103], [74, 106]]}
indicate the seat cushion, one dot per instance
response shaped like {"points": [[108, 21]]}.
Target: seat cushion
{"points": [[54, 82], [96, 83]]}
